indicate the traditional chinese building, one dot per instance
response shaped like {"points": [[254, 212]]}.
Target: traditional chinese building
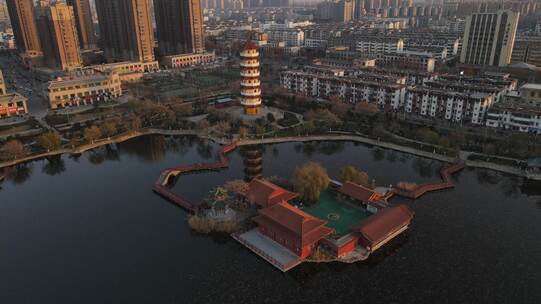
{"points": [[383, 226], [250, 85], [265, 194], [359, 193], [292, 228]]}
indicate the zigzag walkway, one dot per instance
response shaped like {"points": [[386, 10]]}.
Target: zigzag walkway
{"points": [[447, 183], [161, 184]]}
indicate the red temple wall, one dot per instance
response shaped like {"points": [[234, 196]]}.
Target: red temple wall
{"points": [[283, 238]]}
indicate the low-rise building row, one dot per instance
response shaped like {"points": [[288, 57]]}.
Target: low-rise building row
{"points": [[87, 87], [350, 89], [520, 111]]}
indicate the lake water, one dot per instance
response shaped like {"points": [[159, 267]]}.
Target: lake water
{"points": [[90, 230]]}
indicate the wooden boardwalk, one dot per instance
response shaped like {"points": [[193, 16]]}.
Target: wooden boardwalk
{"points": [[447, 183], [161, 185]]}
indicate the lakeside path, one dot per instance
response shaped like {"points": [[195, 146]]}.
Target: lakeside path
{"points": [[391, 146], [274, 140]]}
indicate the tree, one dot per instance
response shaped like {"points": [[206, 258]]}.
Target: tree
{"points": [[321, 115], [270, 117], [379, 131], [428, 136], [368, 108], [12, 149], [49, 141], [108, 129], [457, 138], [338, 107], [310, 180], [92, 133], [222, 128], [182, 110], [135, 123], [243, 133], [489, 149], [352, 174], [202, 125], [308, 127]]}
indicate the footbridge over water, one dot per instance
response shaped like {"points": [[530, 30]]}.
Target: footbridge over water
{"points": [[162, 184]]}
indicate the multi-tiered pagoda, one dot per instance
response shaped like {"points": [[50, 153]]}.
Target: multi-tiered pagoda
{"points": [[250, 85]]}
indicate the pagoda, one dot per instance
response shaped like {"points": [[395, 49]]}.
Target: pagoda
{"points": [[250, 85]]}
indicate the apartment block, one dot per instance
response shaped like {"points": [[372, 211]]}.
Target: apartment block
{"points": [[89, 87]]}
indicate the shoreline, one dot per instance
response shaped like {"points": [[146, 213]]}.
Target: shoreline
{"points": [[330, 137]]}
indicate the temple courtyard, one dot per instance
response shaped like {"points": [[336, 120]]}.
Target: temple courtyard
{"points": [[341, 215]]}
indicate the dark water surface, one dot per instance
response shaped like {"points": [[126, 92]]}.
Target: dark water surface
{"points": [[90, 230]]}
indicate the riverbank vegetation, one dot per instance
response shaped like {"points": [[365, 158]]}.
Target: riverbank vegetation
{"points": [[408, 186], [204, 224], [445, 138]]}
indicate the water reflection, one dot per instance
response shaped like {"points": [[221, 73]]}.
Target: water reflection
{"points": [[326, 148], [205, 149], [148, 148], [424, 167], [378, 154], [54, 166], [19, 174], [485, 177], [253, 161]]}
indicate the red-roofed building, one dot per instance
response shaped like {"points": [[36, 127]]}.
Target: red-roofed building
{"points": [[292, 228], [360, 193], [384, 226], [265, 194]]}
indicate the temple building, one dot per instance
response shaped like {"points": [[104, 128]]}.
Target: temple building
{"points": [[385, 225], [264, 194], [292, 228], [288, 233], [359, 193], [250, 85]]}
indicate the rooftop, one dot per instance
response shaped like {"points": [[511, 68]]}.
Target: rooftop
{"points": [[532, 86], [295, 220], [387, 221], [358, 192], [12, 97], [264, 193]]}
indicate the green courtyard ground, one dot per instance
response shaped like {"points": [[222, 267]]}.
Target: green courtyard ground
{"points": [[339, 215]]}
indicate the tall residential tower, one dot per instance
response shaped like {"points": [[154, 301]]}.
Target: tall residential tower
{"points": [[126, 30], [21, 13], [489, 38], [58, 35], [85, 26], [179, 25]]}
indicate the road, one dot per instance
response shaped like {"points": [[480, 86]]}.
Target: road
{"points": [[21, 80]]}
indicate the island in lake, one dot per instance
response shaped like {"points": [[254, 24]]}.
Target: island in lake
{"points": [[317, 219]]}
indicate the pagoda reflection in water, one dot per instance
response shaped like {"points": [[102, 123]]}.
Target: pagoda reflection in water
{"points": [[253, 161]]}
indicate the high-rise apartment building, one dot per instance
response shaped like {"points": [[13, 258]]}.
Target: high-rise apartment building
{"points": [[3, 88], [85, 26], [4, 16], [21, 14], [126, 30], [527, 49], [336, 10], [489, 38], [179, 25], [58, 35]]}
